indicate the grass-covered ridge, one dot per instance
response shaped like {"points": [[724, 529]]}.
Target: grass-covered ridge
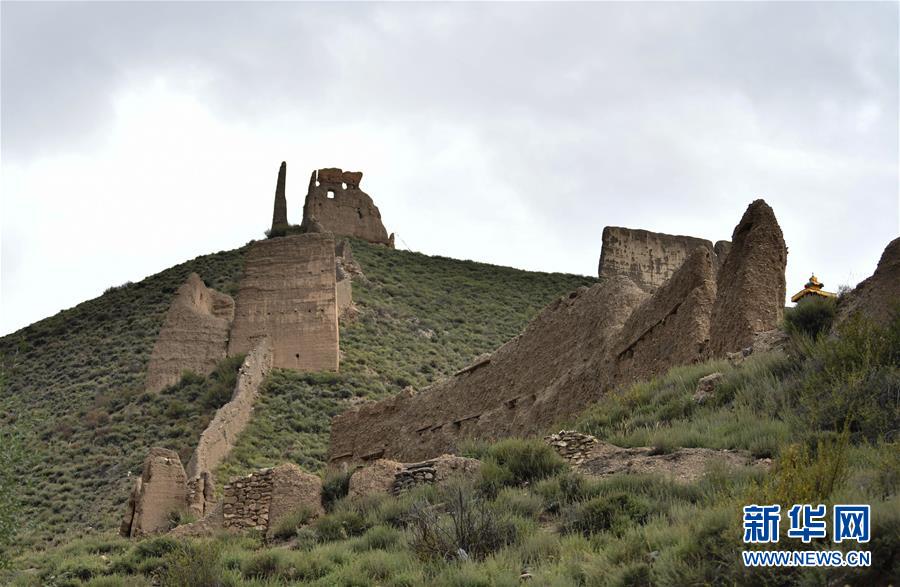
{"points": [[74, 382], [528, 513]]}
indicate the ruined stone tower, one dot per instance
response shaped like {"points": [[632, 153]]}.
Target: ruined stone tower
{"points": [[335, 200], [279, 215]]}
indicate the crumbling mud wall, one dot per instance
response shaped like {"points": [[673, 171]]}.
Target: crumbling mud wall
{"points": [[160, 491], [751, 283], [287, 293], [336, 201], [230, 420], [194, 335], [647, 258], [520, 388], [672, 327], [577, 349], [878, 296]]}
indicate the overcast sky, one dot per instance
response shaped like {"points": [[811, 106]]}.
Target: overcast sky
{"points": [[136, 136]]}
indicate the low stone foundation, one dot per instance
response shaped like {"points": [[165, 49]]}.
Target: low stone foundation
{"points": [[571, 445], [246, 501]]}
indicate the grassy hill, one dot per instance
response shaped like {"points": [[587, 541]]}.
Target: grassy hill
{"points": [[74, 382], [827, 412]]}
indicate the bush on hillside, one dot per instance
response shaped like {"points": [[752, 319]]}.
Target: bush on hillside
{"points": [[470, 529], [525, 460], [812, 317]]}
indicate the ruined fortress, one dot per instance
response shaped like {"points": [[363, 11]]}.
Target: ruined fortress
{"points": [[294, 288], [662, 301]]}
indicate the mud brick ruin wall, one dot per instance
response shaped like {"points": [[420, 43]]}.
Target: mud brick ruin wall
{"points": [[194, 335], [230, 420], [288, 294], [647, 258], [516, 391], [336, 201], [578, 348]]}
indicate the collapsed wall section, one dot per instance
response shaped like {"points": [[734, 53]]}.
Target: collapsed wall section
{"points": [[647, 258], [287, 293], [516, 391], [336, 201], [672, 327], [160, 491], [194, 335]]}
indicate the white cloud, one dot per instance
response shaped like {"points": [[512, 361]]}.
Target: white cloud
{"points": [[139, 135]]}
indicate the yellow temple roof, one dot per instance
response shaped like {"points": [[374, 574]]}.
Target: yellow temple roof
{"points": [[812, 287]]}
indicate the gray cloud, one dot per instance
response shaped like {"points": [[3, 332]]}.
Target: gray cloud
{"points": [[525, 127]]}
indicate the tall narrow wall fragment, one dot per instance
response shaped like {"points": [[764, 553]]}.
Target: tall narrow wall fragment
{"points": [[751, 283]]}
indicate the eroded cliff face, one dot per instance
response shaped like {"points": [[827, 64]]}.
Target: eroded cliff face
{"points": [[288, 293], [751, 282], [340, 206], [194, 335], [647, 258]]}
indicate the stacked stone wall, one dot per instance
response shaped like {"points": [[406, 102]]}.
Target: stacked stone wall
{"points": [[246, 501]]}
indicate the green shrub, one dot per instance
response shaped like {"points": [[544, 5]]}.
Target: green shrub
{"points": [[805, 474], [154, 547], [336, 486], [521, 461], [813, 316], [267, 564], [468, 529], [379, 538], [288, 525], [194, 564], [851, 380], [340, 525], [608, 513]]}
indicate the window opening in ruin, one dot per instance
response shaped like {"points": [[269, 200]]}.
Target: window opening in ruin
{"points": [[344, 185], [330, 194], [359, 213]]}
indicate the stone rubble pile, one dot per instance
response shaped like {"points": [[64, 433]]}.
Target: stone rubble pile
{"points": [[246, 501], [571, 445]]}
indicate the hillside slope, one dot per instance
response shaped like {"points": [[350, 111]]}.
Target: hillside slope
{"points": [[76, 379]]}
